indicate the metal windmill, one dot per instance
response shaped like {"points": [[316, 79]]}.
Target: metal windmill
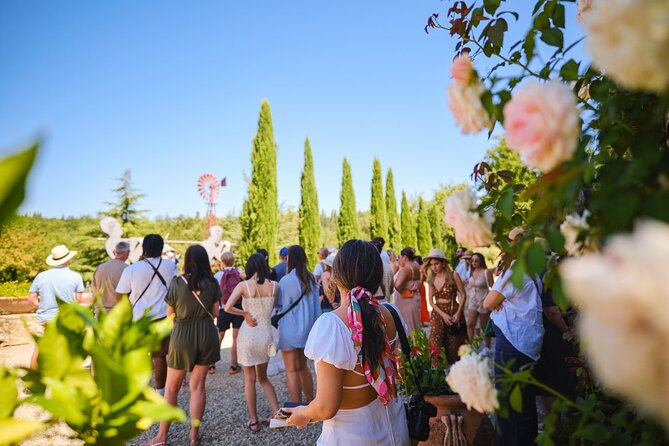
{"points": [[209, 187]]}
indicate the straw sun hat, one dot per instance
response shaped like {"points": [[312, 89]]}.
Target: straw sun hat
{"points": [[435, 254], [60, 255]]}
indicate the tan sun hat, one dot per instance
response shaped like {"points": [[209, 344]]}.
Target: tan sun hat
{"points": [[515, 233], [329, 260], [435, 254], [59, 255], [467, 255]]}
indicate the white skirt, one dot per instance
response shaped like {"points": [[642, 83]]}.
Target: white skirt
{"points": [[373, 424]]}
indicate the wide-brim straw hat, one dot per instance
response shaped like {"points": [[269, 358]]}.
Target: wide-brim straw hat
{"points": [[437, 254], [329, 260], [60, 255], [467, 255]]}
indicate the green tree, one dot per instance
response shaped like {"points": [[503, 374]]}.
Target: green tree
{"points": [[394, 233], [408, 227], [125, 207], [436, 226], [423, 233], [260, 211], [309, 225], [347, 222], [378, 222]]}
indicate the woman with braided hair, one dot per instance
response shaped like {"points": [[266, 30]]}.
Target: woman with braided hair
{"points": [[356, 358]]}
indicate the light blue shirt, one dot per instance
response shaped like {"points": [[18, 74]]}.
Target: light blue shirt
{"points": [[295, 326], [520, 317], [58, 282]]}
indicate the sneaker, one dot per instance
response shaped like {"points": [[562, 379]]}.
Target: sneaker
{"points": [[212, 369], [234, 369]]}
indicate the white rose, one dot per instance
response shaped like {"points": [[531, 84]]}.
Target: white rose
{"points": [[624, 321], [470, 378], [629, 40], [464, 102], [571, 228], [470, 227]]}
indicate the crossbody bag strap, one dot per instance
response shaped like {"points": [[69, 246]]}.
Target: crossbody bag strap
{"points": [[404, 342], [293, 305], [156, 272], [198, 299]]}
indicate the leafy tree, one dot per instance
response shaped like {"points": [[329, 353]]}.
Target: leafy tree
{"points": [[394, 233], [436, 222], [408, 229], [125, 207], [309, 225], [424, 235], [347, 222], [378, 223], [259, 217]]}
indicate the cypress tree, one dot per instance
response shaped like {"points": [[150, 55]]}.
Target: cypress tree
{"points": [[423, 229], [347, 222], [309, 225], [378, 222], [435, 225], [407, 224], [260, 211], [394, 234]]}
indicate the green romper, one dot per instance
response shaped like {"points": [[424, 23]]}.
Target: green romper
{"points": [[194, 336]]}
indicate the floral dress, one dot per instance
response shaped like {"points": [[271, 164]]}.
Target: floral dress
{"points": [[445, 300]]}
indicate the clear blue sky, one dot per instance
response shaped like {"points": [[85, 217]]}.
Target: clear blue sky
{"points": [[172, 89]]}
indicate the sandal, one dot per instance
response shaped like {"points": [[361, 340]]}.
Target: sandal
{"points": [[195, 442], [265, 422], [234, 369], [254, 427]]}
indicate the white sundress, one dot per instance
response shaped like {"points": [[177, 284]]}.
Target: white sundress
{"points": [[374, 424]]}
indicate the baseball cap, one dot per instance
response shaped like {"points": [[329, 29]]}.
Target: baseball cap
{"points": [[283, 252]]}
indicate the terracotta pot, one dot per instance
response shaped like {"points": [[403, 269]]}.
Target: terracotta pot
{"points": [[477, 428]]}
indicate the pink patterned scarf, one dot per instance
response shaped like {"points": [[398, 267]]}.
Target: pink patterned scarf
{"points": [[383, 378]]}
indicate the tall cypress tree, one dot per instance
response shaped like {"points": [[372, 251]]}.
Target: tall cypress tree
{"points": [[347, 222], [394, 233], [260, 211], [309, 225], [435, 226], [408, 225], [423, 229], [378, 222]]}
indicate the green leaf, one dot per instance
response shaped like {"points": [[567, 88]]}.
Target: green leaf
{"points": [[569, 70], [158, 411], [8, 393], [558, 16], [491, 5], [516, 399], [14, 430], [505, 204], [119, 316], [528, 46], [552, 37], [15, 169], [536, 258], [518, 274]]}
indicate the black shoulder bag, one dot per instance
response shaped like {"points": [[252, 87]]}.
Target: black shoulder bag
{"points": [[274, 320], [418, 410]]}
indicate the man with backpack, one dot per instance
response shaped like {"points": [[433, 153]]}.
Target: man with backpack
{"points": [[229, 278], [146, 283]]}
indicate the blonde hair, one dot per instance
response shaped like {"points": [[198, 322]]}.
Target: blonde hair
{"points": [[447, 270], [228, 258]]}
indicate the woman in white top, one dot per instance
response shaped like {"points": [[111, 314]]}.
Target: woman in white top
{"points": [[258, 296], [356, 392]]}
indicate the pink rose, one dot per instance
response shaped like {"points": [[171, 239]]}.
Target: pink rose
{"points": [[462, 70], [464, 102], [542, 124]]}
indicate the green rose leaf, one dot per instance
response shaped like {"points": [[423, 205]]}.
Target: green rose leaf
{"points": [[15, 169]]}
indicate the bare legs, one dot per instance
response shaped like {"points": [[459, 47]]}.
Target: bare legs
{"points": [[250, 374], [198, 398], [471, 318], [160, 371], [233, 349], [298, 375]]}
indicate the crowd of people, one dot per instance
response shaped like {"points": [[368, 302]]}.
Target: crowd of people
{"points": [[334, 316]]}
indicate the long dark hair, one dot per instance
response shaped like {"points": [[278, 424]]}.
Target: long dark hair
{"points": [[358, 264], [297, 260], [257, 264], [482, 263], [197, 268]]}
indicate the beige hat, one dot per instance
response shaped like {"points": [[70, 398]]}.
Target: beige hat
{"points": [[435, 254], [515, 233], [467, 255], [59, 255], [329, 260]]}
